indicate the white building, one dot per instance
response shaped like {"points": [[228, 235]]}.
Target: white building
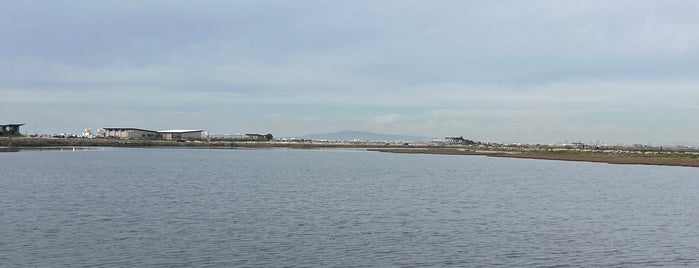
{"points": [[137, 133], [129, 133]]}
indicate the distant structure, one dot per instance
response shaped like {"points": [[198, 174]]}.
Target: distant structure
{"points": [[10, 129], [579, 145], [260, 137], [242, 137], [129, 133], [139, 133], [459, 139], [180, 134], [227, 136], [87, 133]]}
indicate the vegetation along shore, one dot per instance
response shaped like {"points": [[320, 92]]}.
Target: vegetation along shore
{"points": [[612, 155], [687, 158]]}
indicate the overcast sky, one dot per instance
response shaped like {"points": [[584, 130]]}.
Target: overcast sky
{"points": [[509, 71]]}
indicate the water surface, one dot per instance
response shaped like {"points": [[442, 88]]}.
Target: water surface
{"points": [[339, 208]]}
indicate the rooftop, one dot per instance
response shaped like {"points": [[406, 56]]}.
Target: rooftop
{"points": [[180, 130], [127, 128]]}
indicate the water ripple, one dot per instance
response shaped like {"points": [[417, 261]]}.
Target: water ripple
{"points": [[333, 208]]}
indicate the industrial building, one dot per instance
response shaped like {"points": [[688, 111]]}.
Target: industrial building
{"points": [[129, 133], [10, 129], [260, 137], [178, 134], [138, 133], [242, 137]]}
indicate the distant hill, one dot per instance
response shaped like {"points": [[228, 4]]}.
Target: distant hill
{"points": [[349, 135]]}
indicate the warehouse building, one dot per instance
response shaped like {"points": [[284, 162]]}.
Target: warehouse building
{"points": [[179, 134], [242, 137], [139, 133], [130, 133]]}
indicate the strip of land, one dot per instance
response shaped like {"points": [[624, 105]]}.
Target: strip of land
{"points": [[611, 155], [14, 143], [663, 158]]}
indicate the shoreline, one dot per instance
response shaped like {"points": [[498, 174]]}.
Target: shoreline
{"points": [[621, 158], [630, 156], [12, 143]]}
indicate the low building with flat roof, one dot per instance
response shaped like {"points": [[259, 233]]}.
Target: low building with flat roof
{"points": [[129, 133], [139, 133], [180, 134], [259, 137], [10, 129]]}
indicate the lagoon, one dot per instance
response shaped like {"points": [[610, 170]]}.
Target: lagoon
{"points": [[116, 207]]}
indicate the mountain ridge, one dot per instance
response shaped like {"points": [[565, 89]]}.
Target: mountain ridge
{"points": [[350, 135]]}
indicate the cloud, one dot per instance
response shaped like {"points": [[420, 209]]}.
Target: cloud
{"points": [[387, 119], [515, 70]]}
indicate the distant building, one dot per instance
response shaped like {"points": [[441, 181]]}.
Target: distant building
{"points": [[138, 133], [130, 133], [179, 134], [10, 130], [239, 137], [579, 145], [259, 137], [459, 139]]}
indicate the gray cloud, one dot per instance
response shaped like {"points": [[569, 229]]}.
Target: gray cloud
{"points": [[533, 71]]}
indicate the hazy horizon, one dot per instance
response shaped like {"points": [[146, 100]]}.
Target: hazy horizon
{"points": [[505, 71]]}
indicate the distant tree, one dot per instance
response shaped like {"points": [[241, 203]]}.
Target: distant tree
{"points": [[269, 137]]}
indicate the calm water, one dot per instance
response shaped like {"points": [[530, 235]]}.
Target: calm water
{"points": [[339, 208]]}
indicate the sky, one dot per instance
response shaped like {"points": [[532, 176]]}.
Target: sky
{"points": [[616, 72]]}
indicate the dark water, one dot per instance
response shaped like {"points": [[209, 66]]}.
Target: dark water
{"points": [[272, 208]]}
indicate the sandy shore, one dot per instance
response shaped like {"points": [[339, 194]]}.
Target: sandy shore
{"points": [[621, 157]]}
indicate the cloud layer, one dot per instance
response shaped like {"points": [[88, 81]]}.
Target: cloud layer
{"points": [[526, 71]]}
